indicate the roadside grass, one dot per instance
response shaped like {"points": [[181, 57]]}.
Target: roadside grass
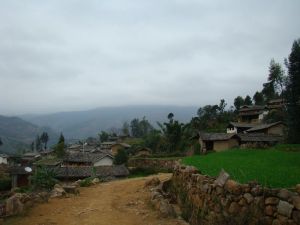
{"points": [[277, 167]]}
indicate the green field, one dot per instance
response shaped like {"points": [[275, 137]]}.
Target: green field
{"points": [[271, 167]]}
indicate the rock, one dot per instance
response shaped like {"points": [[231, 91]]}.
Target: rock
{"points": [[296, 216], [269, 210], [296, 202], [284, 208], [219, 190], [284, 194], [297, 189], [96, 180], [256, 191], [222, 178], [271, 201], [276, 222], [242, 202], [234, 208], [233, 187], [153, 182], [58, 191], [14, 206], [166, 209], [248, 197], [71, 189]]}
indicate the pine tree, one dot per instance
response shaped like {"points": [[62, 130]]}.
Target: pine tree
{"points": [[293, 93], [248, 100], [61, 138]]}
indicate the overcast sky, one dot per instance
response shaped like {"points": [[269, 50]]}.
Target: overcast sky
{"points": [[60, 55]]}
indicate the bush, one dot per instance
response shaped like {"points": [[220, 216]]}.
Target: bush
{"points": [[5, 183], [43, 178], [121, 157], [86, 182]]}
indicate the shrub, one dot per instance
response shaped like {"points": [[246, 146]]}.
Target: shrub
{"points": [[43, 178], [86, 182], [121, 157], [5, 183]]}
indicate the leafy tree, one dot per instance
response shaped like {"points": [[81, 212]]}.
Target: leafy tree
{"points": [[172, 132], [222, 105], [44, 139], [125, 128], [276, 77], [121, 157], [153, 140], [103, 136], [140, 128], [61, 138], [38, 143], [258, 98], [43, 178], [238, 102], [268, 91], [59, 149], [293, 93], [248, 100]]}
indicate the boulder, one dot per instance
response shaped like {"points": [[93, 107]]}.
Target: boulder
{"points": [[297, 189], [296, 216], [71, 189], [166, 209], [233, 187], [222, 178], [284, 194], [285, 208], [152, 182], [296, 202], [269, 210], [58, 191], [248, 197], [14, 206], [271, 201], [96, 180], [234, 208]]}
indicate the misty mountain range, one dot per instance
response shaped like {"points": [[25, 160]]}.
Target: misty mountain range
{"points": [[82, 124], [17, 133]]}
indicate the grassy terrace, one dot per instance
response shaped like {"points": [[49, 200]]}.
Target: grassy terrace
{"points": [[276, 167]]}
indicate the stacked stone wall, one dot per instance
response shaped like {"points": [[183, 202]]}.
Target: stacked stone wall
{"points": [[157, 164], [206, 200]]}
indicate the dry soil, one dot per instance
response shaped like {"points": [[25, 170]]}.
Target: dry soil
{"points": [[121, 202]]}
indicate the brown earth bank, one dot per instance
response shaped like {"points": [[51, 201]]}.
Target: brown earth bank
{"points": [[121, 202]]}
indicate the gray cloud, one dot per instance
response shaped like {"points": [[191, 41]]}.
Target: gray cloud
{"points": [[69, 55]]}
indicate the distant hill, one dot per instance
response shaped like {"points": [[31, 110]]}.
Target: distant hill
{"points": [[82, 124], [17, 134]]}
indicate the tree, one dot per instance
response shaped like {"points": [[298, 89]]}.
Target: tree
{"points": [[125, 129], [268, 91], [61, 138], [258, 98], [276, 77], [38, 143], [238, 102], [293, 93], [59, 149], [103, 136], [43, 178], [248, 100], [44, 138], [222, 105], [121, 157], [1, 143]]}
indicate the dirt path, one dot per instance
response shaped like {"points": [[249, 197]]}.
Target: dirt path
{"points": [[123, 202]]}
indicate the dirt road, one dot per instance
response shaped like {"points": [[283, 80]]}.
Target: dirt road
{"points": [[123, 202]]}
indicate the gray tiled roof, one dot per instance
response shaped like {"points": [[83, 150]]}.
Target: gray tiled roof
{"points": [[263, 126], [260, 137], [85, 157], [101, 171], [216, 136]]}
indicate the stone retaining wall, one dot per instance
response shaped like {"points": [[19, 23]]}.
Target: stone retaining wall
{"points": [[206, 200], [157, 164]]}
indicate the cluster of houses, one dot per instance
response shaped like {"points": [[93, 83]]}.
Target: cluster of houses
{"points": [[248, 131], [80, 161]]}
